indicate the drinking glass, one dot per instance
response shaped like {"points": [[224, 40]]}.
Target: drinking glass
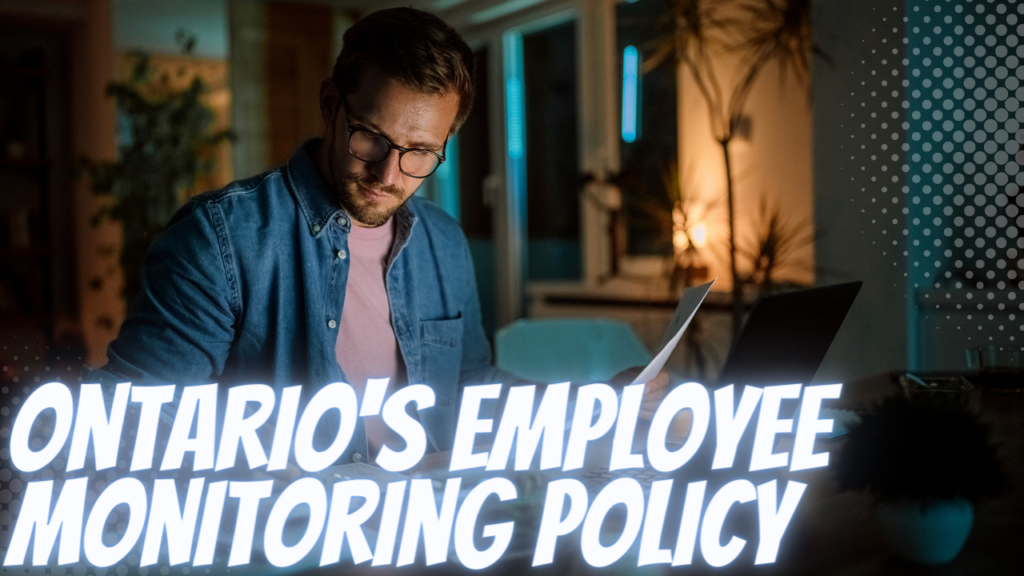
{"points": [[997, 367]]}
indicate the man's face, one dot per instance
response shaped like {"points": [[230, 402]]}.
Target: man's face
{"points": [[372, 191]]}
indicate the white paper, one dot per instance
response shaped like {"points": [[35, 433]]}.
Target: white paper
{"points": [[687, 308], [688, 305]]}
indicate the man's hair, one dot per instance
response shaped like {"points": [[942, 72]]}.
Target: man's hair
{"points": [[413, 47]]}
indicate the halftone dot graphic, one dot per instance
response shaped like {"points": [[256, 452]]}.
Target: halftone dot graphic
{"points": [[957, 153]]}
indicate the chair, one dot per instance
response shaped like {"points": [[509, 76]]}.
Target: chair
{"points": [[579, 350]]}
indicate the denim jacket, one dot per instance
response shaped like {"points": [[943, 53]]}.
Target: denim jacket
{"points": [[247, 284]]}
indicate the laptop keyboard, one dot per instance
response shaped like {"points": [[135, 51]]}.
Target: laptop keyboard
{"points": [[597, 478]]}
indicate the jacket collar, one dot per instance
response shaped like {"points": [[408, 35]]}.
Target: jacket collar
{"points": [[316, 199]]}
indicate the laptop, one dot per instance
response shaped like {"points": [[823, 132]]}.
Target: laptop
{"points": [[783, 341], [787, 335]]}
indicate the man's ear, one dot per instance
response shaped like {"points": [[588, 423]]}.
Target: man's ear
{"points": [[330, 99]]}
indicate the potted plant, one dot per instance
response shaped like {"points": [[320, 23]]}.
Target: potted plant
{"points": [[926, 462], [167, 141]]}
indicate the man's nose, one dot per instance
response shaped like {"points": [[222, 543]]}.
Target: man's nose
{"points": [[387, 170]]}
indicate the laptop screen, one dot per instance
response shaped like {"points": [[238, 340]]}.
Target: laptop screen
{"points": [[787, 336]]}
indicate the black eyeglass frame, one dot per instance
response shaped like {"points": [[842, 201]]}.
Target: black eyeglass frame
{"points": [[391, 145]]}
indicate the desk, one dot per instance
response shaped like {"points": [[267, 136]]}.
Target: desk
{"points": [[834, 532]]}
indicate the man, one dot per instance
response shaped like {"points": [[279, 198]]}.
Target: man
{"points": [[328, 269]]}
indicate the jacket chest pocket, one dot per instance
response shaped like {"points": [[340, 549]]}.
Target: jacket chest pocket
{"points": [[441, 357]]}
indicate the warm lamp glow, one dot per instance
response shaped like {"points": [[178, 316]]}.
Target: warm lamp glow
{"points": [[679, 240], [684, 236], [700, 235]]}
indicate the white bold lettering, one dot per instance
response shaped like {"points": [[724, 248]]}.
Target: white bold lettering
{"points": [[249, 495], [651, 551], [469, 425], [423, 516], [625, 491], [344, 524], [241, 428], [389, 518], [691, 396], [152, 399], [308, 491], [729, 427], [406, 426], [584, 427], [124, 491], [552, 525], [465, 525], [201, 399], [92, 422], [34, 517], [625, 428], [53, 396], [213, 510], [737, 491], [773, 522], [338, 396], [166, 514], [809, 426], [285, 428], [516, 428], [769, 425], [689, 523]]}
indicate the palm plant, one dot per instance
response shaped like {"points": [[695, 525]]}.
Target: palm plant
{"points": [[774, 248], [760, 32]]}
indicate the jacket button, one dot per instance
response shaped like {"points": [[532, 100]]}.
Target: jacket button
{"points": [[316, 228], [342, 220], [357, 457], [332, 324], [342, 254]]}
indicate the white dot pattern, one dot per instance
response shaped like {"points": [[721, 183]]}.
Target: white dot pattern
{"points": [[961, 165]]}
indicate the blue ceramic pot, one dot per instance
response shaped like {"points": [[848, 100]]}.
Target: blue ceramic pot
{"points": [[925, 532]]}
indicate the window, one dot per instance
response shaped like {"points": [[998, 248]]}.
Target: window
{"points": [[649, 130], [552, 156]]}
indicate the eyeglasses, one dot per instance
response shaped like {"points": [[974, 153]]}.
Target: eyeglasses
{"points": [[372, 147]]}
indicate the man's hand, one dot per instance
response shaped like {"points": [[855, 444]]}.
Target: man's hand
{"points": [[654, 392]]}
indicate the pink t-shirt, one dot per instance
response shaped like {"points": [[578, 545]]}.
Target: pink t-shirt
{"points": [[366, 346]]}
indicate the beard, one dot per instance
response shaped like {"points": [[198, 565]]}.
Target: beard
{"points": [[363, 209], [350, 194]]}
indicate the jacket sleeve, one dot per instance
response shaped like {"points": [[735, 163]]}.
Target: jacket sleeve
{"points": [[182, 324]]}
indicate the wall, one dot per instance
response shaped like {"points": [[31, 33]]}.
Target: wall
{"points": [[280, 53], [150, 25], [248, 36], [854, 192]]}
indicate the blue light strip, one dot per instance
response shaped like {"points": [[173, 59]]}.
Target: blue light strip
{"points": [[448, 179], [514, 260], [514, 113], [630, 81]]}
